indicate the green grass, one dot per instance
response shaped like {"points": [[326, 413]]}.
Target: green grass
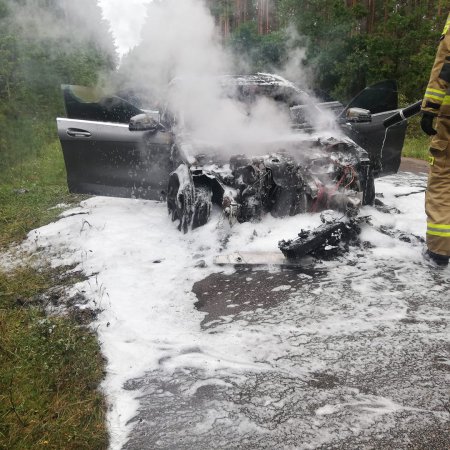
{"points": [[49, 374], [50, 367], [416, 147], [23, 138], [416, 143], [27, 192]]}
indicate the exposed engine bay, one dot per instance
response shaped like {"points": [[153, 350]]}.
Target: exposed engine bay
{"points": [[315, 174]]}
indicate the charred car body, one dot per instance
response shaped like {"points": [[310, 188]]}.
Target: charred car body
{"points": [[112, 147], [336, 174]]}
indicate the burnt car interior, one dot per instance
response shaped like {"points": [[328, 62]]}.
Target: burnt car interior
{"points": [[92, 104]]}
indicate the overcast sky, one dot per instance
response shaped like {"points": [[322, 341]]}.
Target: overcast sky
{"points": [[126, 18]]}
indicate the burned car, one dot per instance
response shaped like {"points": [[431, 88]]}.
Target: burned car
{"points": [[113, 147]]}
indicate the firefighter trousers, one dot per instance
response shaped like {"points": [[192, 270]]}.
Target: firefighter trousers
{"points": [[437, 197]]}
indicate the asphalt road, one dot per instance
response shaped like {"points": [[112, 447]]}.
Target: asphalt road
{"points": [[413, 165], [381, 387], [357, 357]]}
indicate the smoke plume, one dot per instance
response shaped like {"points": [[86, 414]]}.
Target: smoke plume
{"points": [[181, 58]]}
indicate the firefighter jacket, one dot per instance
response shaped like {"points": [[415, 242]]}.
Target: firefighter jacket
{"points": [[437, 102], [437, 96]]}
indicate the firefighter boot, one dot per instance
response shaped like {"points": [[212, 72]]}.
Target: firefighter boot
{"points": [[435, 259]]}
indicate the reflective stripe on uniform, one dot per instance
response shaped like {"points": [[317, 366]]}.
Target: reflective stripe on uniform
{"points": [[447, 26], [437, 229], [435, 94], [446, 100]]}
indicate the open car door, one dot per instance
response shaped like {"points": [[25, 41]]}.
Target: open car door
{"points": [[102, 156], [384, 145]]}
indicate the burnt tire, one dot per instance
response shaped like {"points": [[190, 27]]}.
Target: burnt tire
{"points": [[202, 206], [180, 197], [172, 192], [369, 189]]}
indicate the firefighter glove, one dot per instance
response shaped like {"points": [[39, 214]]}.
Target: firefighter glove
{"points": [[427, 123]]}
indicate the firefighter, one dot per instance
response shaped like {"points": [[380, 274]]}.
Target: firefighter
{"points": [[436, 105]]}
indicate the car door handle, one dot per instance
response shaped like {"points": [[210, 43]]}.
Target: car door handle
{"points": [[76, 132]]}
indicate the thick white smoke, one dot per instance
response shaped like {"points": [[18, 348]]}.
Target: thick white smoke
{"points": [[180, 42], [126, 18]]}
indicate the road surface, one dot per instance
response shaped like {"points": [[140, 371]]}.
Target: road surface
{"points": [[351, 354]]}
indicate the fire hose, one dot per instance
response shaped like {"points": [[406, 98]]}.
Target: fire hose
{"points": [[403, 114]]}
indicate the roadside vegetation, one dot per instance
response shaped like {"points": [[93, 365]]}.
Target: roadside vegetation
{"points": [[417, 142], [28, 192], [416, 147], [344, 45], [50, 366], [50, 371]]}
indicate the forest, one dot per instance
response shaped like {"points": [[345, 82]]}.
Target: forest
{"points": [[345, 45], [41, 48], [349, 43]]}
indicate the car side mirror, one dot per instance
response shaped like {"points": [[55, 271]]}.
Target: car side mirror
{"points": [[144, 122], [357, 115]]}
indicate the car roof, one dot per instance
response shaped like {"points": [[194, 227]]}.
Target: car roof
{"points": [[257, 79]]}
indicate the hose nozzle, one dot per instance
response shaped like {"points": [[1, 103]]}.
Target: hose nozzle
{"points": [[403, 114]]}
